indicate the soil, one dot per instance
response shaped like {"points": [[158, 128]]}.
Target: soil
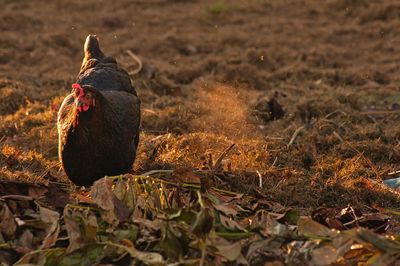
{"points": [[307, 90]]}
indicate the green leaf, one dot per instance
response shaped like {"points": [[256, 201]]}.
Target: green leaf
{"points": [[291, 216], [171, 244], [130, 233], [87, 255]]}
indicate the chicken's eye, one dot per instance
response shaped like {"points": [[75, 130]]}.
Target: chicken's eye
{"points": [[88, 96]]}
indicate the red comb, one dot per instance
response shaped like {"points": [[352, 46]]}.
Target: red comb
{"points": [[76, 86]]}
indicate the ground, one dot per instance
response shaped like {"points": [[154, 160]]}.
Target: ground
{"points": [[308, 91]]}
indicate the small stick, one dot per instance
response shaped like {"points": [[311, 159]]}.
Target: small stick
{"points": [[137, 60], [372, 118], [276, 159], [218, 163], [338, 136], [146, 110], [295, 135], [152, 172], [380, 112], [16, 197], [334, 112], [394, 173], [274, 138], [260, 179]]}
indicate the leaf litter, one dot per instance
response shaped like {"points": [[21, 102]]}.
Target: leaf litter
{"points": [[137, 219]]}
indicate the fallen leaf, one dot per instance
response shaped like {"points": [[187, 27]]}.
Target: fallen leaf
{"points": [[81, 227], [171, 244], [230, 224], [227, 209], [310, 228], [51, 218], [186, 175], [37, 192], [7, 222], [204, 222], [52, 236], [291, 216], [231, 251], [26, 240], [114, 210], [149, 258], [325, 255], [103, 196]]}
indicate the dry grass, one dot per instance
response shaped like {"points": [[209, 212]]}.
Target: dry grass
{"points": [[339, 157]]}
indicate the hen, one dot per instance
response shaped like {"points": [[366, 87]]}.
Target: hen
{"points": [[98, 123]]}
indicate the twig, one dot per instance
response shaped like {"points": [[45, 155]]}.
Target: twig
{"points": [[372, 118], [334, 112], [380, 112], [373, 168], [137, 60], [146, 110], [275, 160], [298, 130], [152, 172], [260, 179], [218, 163], [274, 138], [338, 136], [356, 219], [17, 197], [394, 173]]}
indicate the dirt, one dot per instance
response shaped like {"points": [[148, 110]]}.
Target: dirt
{"points": [[210, 70]]}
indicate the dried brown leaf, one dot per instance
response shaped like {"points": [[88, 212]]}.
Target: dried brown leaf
{"points": [[230, 224], [51, 218], [227, 209], [81, 227], [310, 228], [114, 210], [7, 222], [185, 175]]}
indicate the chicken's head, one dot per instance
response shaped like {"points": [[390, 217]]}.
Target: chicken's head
{"points": [[84, 97]]}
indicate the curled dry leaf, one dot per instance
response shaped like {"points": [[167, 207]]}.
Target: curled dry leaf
{"points": [[81, 225], [310, 228], [103, 196], [325, 255], [230, 224], [149, 258], [51, 218], [229, 251], [7, 222], [227, 209], [113, 209], [204, 222], [185, 175]]}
